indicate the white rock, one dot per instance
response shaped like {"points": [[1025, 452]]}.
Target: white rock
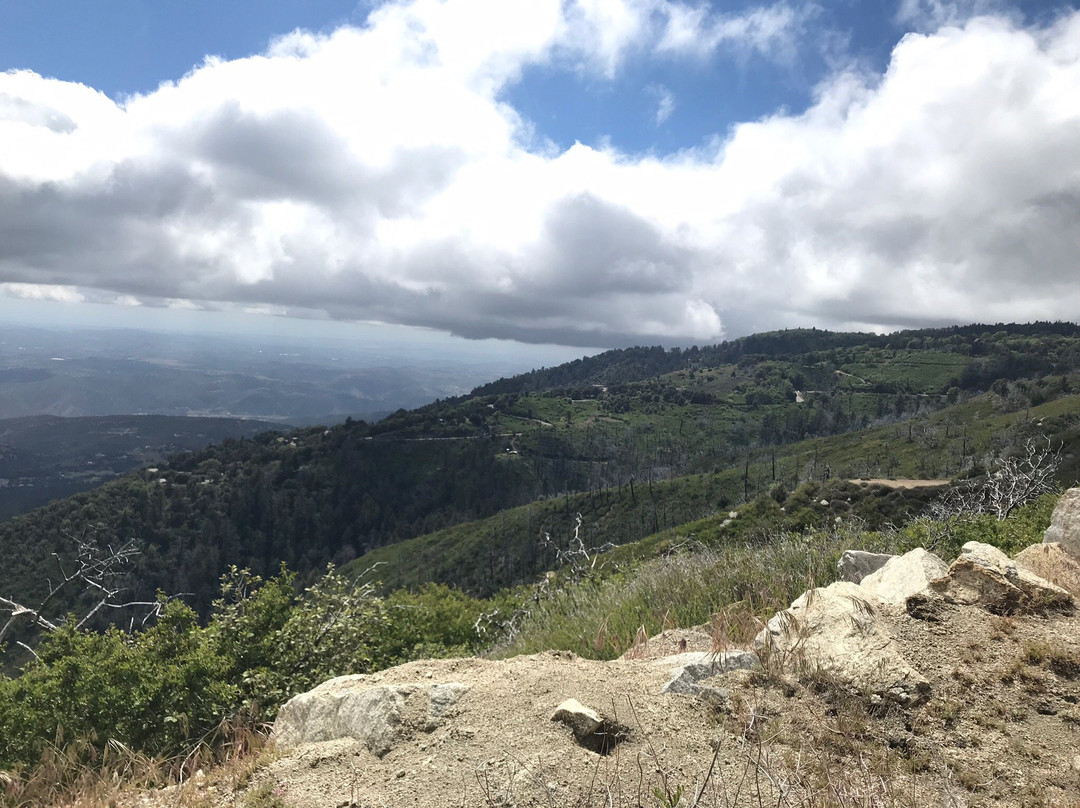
{"points": [[379, 716], [903, 576], [836, 632], [984, 576], [1065, 523], [582, 720], [1052, 563]]}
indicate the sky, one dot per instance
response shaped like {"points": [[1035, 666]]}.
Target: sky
{"points": [[584, 173]]}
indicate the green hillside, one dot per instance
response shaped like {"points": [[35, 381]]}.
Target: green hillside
{"points": [[509, 548], [612, 436]]}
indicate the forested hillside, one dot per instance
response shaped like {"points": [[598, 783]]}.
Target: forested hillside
{"points": [[625, 427]]}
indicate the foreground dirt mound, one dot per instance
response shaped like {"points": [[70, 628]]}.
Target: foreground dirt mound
{"points": [[988, 714]]}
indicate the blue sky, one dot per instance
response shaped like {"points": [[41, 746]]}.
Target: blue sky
{"points": [[130, 47], [583, 172]]}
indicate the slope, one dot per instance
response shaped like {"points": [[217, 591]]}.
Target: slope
{"points": [[317, 495]]}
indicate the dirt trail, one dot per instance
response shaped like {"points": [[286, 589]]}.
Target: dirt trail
{"points": [[891, 483]]}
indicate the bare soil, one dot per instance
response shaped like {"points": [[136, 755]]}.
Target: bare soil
{"points": [[1002, 728], [901, 483]]}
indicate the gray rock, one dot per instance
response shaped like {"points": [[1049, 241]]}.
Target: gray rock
{"points": [[835, 633], [904, 576], [690, 669], [1065, 523], [854, 565], [379, 716]]}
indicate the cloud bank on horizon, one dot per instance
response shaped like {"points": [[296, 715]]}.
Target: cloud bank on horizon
{"points": [[380, 172]]}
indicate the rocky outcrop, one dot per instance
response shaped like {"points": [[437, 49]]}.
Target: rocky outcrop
{"points": [[1065, 523], [379, 716], [984, 576], [1052, 563], [854, 565], [836, 632], [904, 576]]}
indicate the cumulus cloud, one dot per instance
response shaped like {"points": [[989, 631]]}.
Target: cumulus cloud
{"points": [[376, 173]]}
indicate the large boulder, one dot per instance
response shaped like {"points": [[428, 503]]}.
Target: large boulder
{"points": [[854, 565], [984, 576], [904, 576], [1052, 563], [379, 716], [837, 632], [1065, 523]]}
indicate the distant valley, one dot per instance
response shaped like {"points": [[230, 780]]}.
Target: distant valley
{"points": [[291, 381], [46, 457]]}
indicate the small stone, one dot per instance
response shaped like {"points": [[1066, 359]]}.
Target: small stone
{"points": [[582, 720]]}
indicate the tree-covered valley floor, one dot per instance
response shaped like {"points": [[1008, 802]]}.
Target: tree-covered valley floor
{"points": [[741, 462]]}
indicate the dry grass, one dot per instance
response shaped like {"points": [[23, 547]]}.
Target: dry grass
{"points": [[77, 774]]}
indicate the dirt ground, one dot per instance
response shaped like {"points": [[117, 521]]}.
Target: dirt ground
{"points": [[1002, 728], [887, 483]]}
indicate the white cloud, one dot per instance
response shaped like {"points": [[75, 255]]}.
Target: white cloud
{"points": [[771, 31], [931, 15], [376, 173], [42, 291], [665, 102]]}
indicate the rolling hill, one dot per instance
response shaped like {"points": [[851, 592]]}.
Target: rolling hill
{"points": [[637, 440]]}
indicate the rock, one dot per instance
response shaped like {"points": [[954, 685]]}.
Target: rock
{"points": [[854, 565], [1065, 523], [379, 717], [591, 731], [903, 576], [688, 670], [583, 721], [441, 698], [984, 576], [835, 632], [1052, 563]]}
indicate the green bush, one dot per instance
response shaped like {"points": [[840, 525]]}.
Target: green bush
{"points": [[157, 691], [163, 689]]}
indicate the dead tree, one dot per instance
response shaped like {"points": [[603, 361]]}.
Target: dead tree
{"points": [[95, 576], [1018, 479]]}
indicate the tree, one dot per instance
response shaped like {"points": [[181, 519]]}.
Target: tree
{"points": [[1018, 479], [99, 572]]}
